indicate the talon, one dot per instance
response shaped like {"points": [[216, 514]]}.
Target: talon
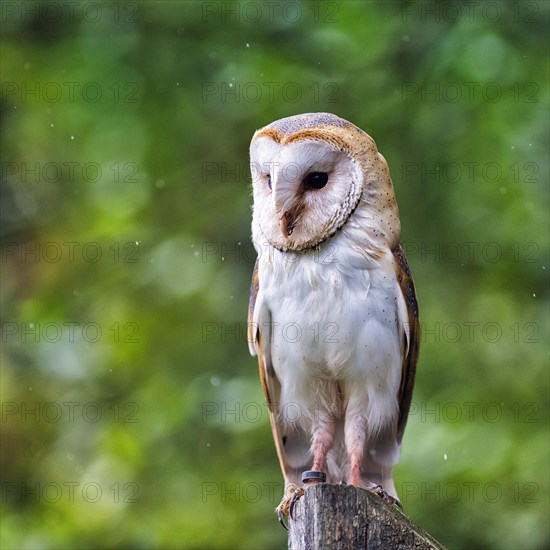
{"points": [[295, 498], [292, 493], [281, 517], [385, 496]]}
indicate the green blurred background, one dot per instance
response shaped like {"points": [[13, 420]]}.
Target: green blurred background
{"points": [[132, 413]]}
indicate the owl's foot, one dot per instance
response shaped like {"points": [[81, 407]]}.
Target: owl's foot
{"points": [[295, 498], [293, 493], [385, 496], [309, 477]]}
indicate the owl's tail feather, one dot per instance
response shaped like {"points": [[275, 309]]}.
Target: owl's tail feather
{"points": [[381, 454], [296, 445]]}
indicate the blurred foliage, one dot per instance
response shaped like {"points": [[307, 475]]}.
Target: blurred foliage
{"points": [[150, 430]]}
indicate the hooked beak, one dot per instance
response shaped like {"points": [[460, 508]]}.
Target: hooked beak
{"points": [[288, 222], [290, 219], [288, 205]]}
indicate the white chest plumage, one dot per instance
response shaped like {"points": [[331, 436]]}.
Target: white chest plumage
{"points": [[337, 324]]}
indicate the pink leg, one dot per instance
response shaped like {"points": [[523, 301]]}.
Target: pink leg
{"points": [[355, 436], [355, 473], [322, 440]]}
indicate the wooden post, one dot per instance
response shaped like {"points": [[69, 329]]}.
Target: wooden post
{"points": [[345, 517]]}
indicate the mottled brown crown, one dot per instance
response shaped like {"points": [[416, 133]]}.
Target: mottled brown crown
{"points": [[319, 126], [285, 127]]}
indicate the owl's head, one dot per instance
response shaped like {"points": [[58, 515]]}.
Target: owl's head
{"points": [[310, 173]]}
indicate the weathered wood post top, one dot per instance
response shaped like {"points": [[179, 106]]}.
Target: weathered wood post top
{"points": [[334, 517]]}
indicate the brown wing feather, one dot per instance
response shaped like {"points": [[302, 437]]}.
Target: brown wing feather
{"points": [[410, 359], [254, 288], [255, 337]]}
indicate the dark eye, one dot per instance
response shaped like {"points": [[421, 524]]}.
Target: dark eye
{"points": [[269, 180], [316, 180]]}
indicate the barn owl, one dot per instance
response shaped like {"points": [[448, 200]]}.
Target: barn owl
{"points": [[333, 315]]}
